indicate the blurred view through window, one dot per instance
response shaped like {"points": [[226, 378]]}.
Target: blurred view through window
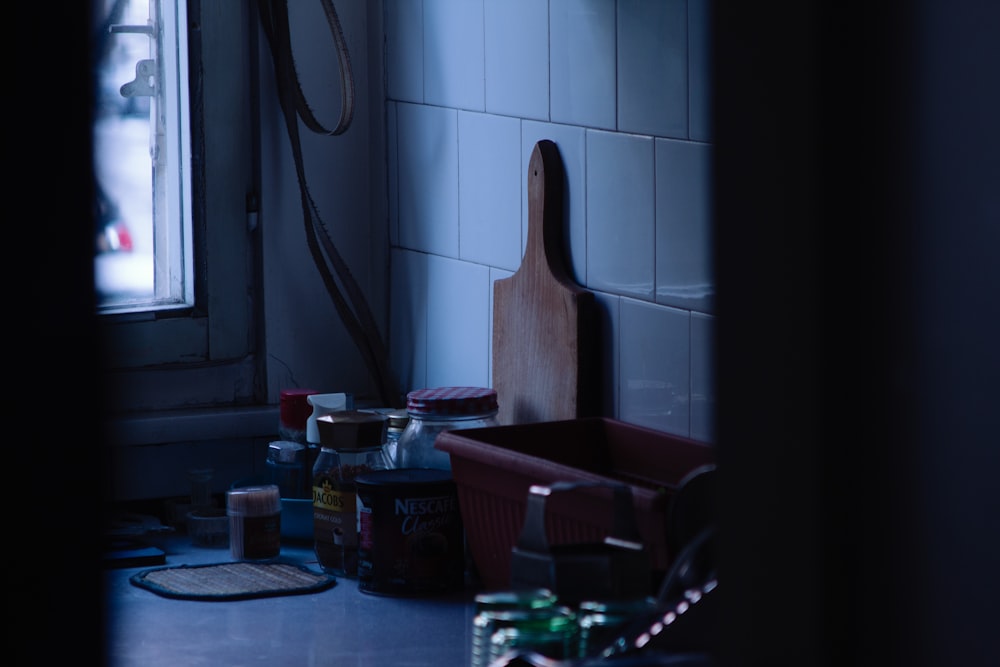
{"points": [[142, 243]]}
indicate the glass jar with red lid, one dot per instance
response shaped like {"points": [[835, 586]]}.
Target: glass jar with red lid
{"points": [[438, 409]]}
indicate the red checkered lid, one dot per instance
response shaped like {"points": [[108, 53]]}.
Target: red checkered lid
{"points": [[452, 401]]}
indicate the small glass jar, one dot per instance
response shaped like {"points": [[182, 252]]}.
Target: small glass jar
{"points": [[432, 411]]}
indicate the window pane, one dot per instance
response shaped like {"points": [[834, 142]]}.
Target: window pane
{"points": [[143, 249]]}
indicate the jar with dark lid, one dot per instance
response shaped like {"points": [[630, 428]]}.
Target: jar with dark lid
{"points": [[350, 444], [432, 411]]}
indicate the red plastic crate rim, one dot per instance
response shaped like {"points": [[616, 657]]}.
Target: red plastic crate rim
{"points": [[494, 467]]}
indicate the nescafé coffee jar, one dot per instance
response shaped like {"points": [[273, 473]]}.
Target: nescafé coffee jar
{"points": [[411, 539]]}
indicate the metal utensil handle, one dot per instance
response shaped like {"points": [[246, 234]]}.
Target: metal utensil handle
{"points": [[533, 534]]}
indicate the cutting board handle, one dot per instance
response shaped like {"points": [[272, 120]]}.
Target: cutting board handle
{"points": [[546, 181]]}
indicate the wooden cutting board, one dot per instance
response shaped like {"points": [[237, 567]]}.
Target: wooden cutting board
{"points": [[544, 324]]}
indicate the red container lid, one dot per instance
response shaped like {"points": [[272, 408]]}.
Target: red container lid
{"points": [[295, 408], [452, 401]]}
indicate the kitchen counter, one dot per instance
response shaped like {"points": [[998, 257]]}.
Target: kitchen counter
{"points": [[338, 626]]}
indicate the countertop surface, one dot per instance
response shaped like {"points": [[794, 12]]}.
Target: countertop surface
{"points": [[339, 626]]}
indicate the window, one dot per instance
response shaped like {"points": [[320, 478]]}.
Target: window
{"points": [[181, 334]]}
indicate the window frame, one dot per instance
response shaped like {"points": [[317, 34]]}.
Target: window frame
{"points": [[204, 356], [172, 185]]}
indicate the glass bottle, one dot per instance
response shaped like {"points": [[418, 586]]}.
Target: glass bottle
{"points": [[350, 444], [550, 631], [600, 620], [489, 604], [432, 411]]}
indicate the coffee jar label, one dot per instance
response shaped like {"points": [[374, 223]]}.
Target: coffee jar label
{"points": [[411, 540]]}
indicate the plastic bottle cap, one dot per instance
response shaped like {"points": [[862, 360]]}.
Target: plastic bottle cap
{"points": [[295, 408]]}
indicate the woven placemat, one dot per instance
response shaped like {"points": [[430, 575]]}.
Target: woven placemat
{"points": [[239, 580]]}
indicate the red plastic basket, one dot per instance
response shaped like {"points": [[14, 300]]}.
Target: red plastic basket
{"points": [[494, 467]]}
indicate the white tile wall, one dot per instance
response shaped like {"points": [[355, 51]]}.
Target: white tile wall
{"points": [[408, 316], [683, 224], [427, 178], [653, 67], [454, 54], [582, 62], [699, 71], [517, 72], [655, 367], [702, 372], [489, 193], [458, 319], [621, 214], [610, 307], [622, 88], [404, 50]]}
